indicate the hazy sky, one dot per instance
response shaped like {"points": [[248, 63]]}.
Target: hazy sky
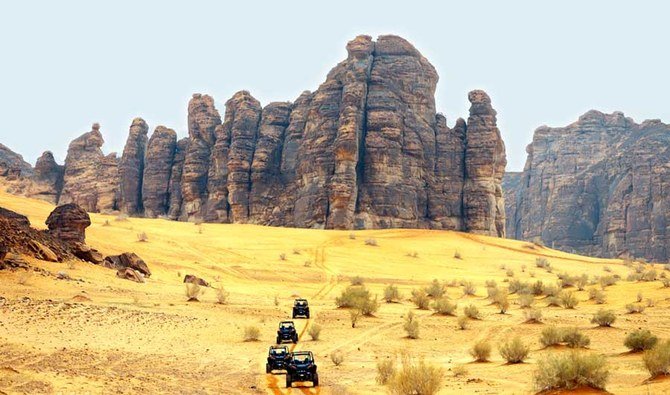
{"points": [[67, 64]]}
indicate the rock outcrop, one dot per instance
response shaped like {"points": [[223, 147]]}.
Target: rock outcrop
{"points": [[367, 149], [598, 187], [47, 178], [511, 184], [127, 260], [12, 164], [68, 223], [131, 168]]}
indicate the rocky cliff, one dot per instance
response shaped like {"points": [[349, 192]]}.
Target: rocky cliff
{"points": [[12, 164], [597, 186], [367, 149]]}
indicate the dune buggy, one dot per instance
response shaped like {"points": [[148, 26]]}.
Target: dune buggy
{"points": [[287, 332], [301, 367], [278, 357], [300, 308]]}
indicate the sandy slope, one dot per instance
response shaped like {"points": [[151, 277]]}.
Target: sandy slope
{"points": [[102, 334]]}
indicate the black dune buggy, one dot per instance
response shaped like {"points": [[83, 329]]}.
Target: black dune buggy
{"points": [[287, 332], [301, 367], [300, 308], [278, 357]]}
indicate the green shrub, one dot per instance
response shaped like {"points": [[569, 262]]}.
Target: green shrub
{"points": [[420, 299], [526, 301], [481, 351], [471, 311], [416, 378], [551, 290], [571, 370], [640, 340], [568, 300], [551, 336], [391, 294], [573, 338], [435, 289], [444, 306], [657, 360], [604, 318], [514, 351], [634, 308], [411, 326]]}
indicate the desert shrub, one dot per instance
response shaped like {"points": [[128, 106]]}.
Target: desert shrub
{"points": [[503, 267], [416, 378], [420, 299], [537, 288], [106, 223], [471, 311], [551, 336], [542, 263], [469, 288], [566, 280], [368, 306], [568, 300], [582, 281], [533, 315], [633, 277], [371, 242], [391, 294], [526, 301], [502, 302], [551, 290], [385, 370], [435, 289], [571, 370], [359, 297], [142, 237], [640, 268], [633, 308], [604, 318], [523, 268], [354, 315], [492, 292], [640, 297], [413, 254], [222, 295], [640, 340], [514, 351], [314, 331], [553, 301], [457, 255], [411, 325], [597, 295], [296, 251], [532, 273], [337, 357], [459, 371], [481, 351], [665, 282], [607, 269], [444, 306], [276, 300], [193, 292], [352, 236], [606, 281], [308, 263], [514, 285], [491, 284], [650, 302], [509, 273], [574, 338], [251, 334], [657, 360], [357, 280], [463, 322], [282, 256]]}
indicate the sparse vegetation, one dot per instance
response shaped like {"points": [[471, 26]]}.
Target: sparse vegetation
{"points": [[509, 273], [633, 308], [420, 299], [416, 378], [193, 292], [574, 338], [354, 315], [357, 280], [385, 370], [121, 218], [352, 236], [607, 281], [568, 300], [551, 336], [571, 370], [469, 288], [411, 325], [391, 294], [371, 242], [597, 296], [657, 360], [526, 301], [314, 331], [604, 318], [481, 351], [542, 263], [282, 256], [358, 297], [222, 296], [471, 311], [514, 351], [463, 322], [502, 301], [640, 340], [533, 315], [435, 289], [413, 254], [444, 306], [457, 255], [251, 334], [459, 371], [337, 357], [142, 237]]}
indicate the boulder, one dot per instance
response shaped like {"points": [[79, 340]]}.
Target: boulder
{"points": [[3, 251], [86, 253], [130, 274], [189, 278], [14, 217], [68, 222], [43, 252], [127, 260]]}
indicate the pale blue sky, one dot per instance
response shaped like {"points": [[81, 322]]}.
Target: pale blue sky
{"points": [[67, 64]]}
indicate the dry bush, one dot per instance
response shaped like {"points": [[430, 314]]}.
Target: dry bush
{"points": [[469, 288], [532, 273], [459, 371], [491, 284], [413, 254], [553, 301], [526, 301], [650, 302], [308, 264], [142, 237], [106, 223], [574, 338], [352, 236], [502, 301], [296, 251], [391, 294], [457, 255], [358, 297], [435, 289], [640, 297], [542, 263], [509, 273], [354, 315], [632, 308], [551, 336], [463, 322], [640, 340], [597, 295], [568, 300], [411, 326], [657, 360], [551, 290], [582, 281], [514, 351], [665, 282], [650, 275], [523, 268], [385, 370], [339, 389], [492, 292], [481, 351], [368, 307], [314, 331], [444, 306], [371, 242], [337, 357], [606, 281], [420, 299], [24, 277], [533, 315], [503, 267], [282, 256], [222, 296], [193, 292], [607, 269], [357, 280], [604, 318], [471, 311], [416, 378], [251, 334], [571, 370], [276, 300], [537, 288]]}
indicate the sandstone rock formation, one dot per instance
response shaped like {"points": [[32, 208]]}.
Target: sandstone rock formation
{"points": [[91, 178], [130, 274], [127, 260], [68, 222], [367, 149], [511, 184], [48, 178], [189, 278], [597, 186], [131, 168], [12, 164]]}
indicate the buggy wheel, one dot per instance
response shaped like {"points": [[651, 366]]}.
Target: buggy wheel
{"points": [[267, 368], [315, 381], [288, 381], [295, 338], [307, 315], [278, 340]]}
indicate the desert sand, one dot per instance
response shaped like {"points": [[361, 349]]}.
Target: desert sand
{"points": [[101, 334]]}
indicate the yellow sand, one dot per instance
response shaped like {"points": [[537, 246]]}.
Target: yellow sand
{"points": [[102, 334]]}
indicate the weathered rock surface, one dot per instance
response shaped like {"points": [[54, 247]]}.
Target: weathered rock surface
{"points": [[131, 168], [157, 171], [598, 187], [511, 184], [47, 178], [12, 164], [175, 186], [130, 274], [91, 178], [68, 222], [19, 219], [189, 278], [127, 260]]}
